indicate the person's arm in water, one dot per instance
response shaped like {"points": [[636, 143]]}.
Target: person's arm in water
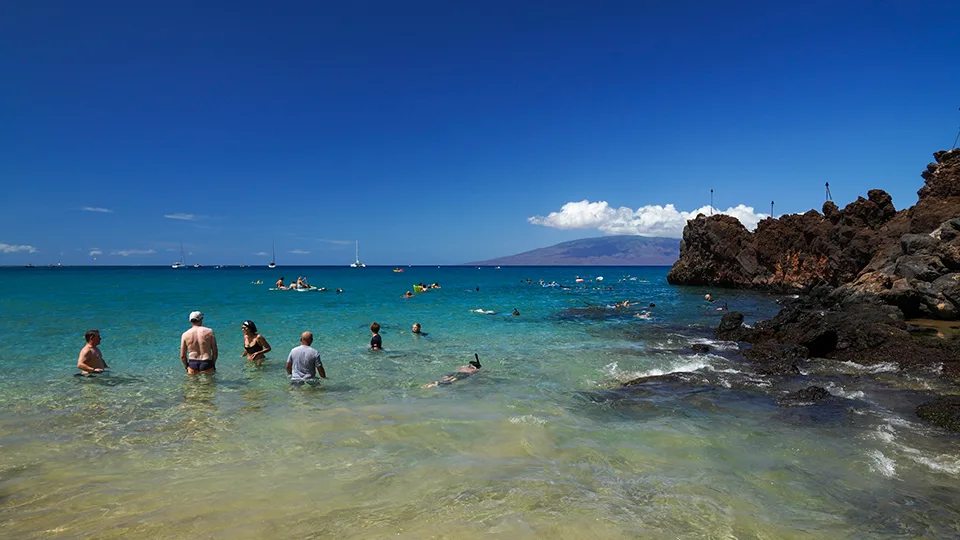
{"points": [[183, 350], [84, 363], [266, 348], [320, 371]]}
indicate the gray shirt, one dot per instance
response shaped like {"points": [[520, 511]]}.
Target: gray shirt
{"points": [[303, 361]]}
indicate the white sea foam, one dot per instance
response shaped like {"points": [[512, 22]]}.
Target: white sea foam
{"points": [[694, 363], [882, 464], [840, 392], [885, 367], [487, 312], [528, 419]]}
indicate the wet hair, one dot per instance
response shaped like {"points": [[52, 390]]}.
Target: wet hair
{"points": [[89, 335], [250, 325], [375, 327], [475, 363]]}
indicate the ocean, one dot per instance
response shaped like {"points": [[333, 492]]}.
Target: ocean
{"points": [[540, 443]]}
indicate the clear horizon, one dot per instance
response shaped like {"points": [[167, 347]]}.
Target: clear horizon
{"points": [[437, 133]]}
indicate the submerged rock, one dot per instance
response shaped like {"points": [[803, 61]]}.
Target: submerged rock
{"points": [[700, 347], [806, 396], [943, 412]]}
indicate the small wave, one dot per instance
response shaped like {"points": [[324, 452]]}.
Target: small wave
{"points": [[882, 464], [528, 419], [487, 312], [885, 367], [696, 363], [840, 392], [942, 463]]}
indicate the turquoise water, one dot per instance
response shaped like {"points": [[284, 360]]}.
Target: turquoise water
{"points": [[536, 445]]}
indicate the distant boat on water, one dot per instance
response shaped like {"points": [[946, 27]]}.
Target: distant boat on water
{"points": [[273, 256], [197, 265], [179, 264], [358, 264], [398, 269]]}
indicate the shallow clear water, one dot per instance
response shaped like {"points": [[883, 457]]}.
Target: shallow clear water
{"points": [[538, 444]]}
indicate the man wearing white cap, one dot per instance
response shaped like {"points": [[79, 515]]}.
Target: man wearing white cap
{"points": [[198, 347]]}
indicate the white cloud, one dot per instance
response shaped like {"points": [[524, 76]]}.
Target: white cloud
{"points": [[299, 252], [262, 254], [97, 209], [184, 217], [95, 251], [128, 252], [652, 220], [10, 248]]}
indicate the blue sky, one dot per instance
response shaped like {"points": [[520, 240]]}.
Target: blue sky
{"points": [[444, 132]]}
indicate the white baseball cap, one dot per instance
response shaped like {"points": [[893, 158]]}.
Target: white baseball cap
{"points": [[196, 316]]}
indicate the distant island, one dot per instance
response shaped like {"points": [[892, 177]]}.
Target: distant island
{"points": [[625, 250]]}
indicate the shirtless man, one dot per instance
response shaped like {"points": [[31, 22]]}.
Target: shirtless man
{"points": [[91, 359], [198, 347]]}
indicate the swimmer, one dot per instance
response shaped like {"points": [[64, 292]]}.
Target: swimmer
{"points": [[708, 298], [198, 347], [339, 290], [407, 294], [643, 315], [652, 304], [462, 372], [515, 312], [255, 346], [376, 342], [416, 329], [91, 359], [723, 307]]}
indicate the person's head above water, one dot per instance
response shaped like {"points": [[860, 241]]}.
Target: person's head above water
{"points": [[196, 317], [90, 335], [416, 328], [475, 363], [249, 326], [375, 328], [306, 338]]}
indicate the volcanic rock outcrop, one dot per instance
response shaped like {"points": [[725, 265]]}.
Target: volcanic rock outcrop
{"points": [[909, 259], [863, 272]]}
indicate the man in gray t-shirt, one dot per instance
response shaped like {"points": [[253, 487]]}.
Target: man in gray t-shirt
{"points": [[303, 363]]}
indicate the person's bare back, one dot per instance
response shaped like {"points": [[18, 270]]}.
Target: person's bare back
{"points": [[198, 347]]}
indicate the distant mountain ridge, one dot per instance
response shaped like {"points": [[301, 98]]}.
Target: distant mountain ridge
{"points": [[625, 250]]}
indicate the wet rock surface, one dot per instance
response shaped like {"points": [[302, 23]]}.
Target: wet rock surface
{"points": [[806, 396], [861, 273]]}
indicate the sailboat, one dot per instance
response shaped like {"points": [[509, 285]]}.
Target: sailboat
{"points": [[358, 264], [179, 264], [273, 258]]}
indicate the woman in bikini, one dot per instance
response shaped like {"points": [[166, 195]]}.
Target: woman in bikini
{"points": [[255, 346]]}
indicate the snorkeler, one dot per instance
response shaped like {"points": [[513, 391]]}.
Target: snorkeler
{"points": [[462, 372]]}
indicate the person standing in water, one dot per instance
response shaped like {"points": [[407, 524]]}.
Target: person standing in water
{"points": [[303, 362], [376, 342], [91, 359], [198, 347], [255, 346]]}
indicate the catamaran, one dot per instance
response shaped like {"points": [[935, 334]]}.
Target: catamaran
{"points": [[179, 264], [358, 264], [273, 259]]}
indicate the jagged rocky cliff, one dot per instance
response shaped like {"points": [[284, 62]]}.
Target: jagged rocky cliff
{"points": [[862, 272], [909, 259]]}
